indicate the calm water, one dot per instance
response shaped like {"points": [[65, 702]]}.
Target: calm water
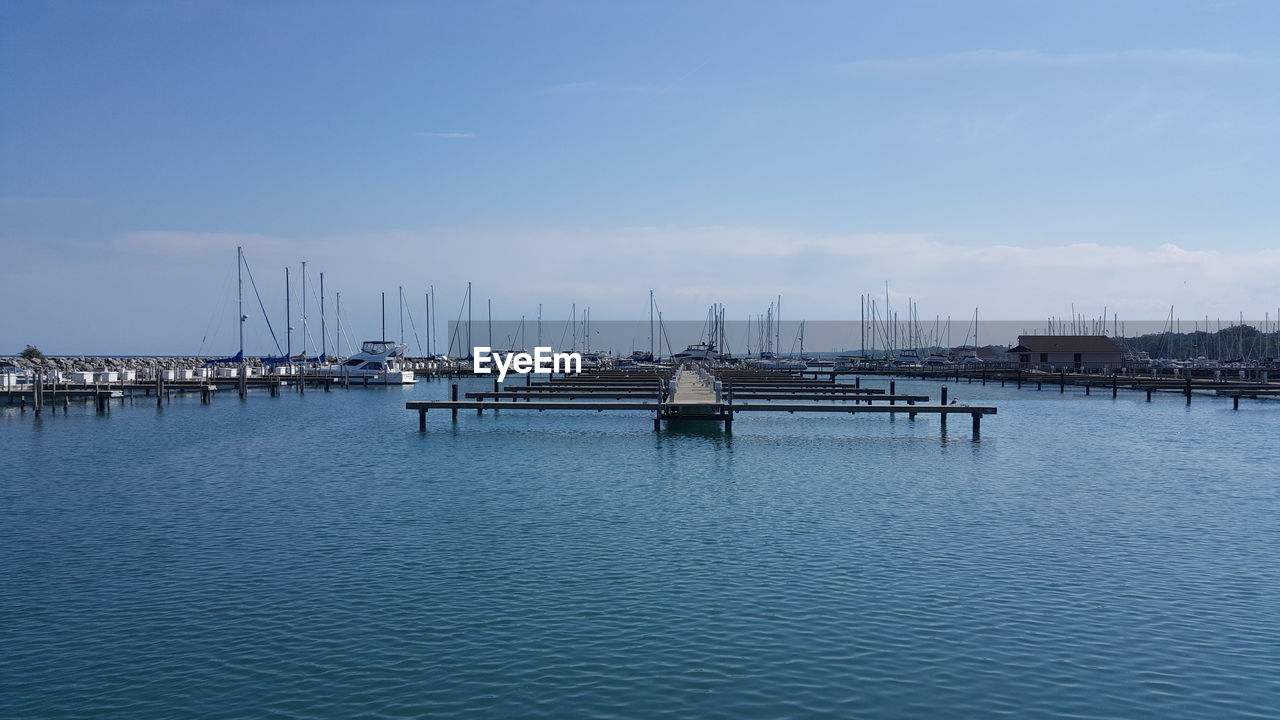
{"points": [[316, 556]]}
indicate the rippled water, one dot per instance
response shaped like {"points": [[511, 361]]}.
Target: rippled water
{"points": [[315, 556]]}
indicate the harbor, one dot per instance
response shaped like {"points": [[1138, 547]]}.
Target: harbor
{"points": [[639, 361]]}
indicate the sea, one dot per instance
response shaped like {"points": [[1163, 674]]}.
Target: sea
{"points": [[316, 556]]}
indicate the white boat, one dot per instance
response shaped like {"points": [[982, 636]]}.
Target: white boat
{"points": [[907, 360], [381, 362], [768, 361], [698, 352]]}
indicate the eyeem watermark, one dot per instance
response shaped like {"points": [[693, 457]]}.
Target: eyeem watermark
{"points": [[542, 361]]}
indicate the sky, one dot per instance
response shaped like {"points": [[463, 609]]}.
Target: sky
{"points": [[1021, 157]]}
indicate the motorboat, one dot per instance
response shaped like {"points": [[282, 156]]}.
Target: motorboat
{"points": [[698, 352], [379, 362]]}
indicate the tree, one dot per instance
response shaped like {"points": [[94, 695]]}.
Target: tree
{"points": [[32, 353]]}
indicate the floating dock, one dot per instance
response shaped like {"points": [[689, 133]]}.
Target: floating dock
{"points": [[694, 394]]}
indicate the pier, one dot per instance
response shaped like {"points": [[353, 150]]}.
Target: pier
{"points": [[694, 394], [1258, 387]]}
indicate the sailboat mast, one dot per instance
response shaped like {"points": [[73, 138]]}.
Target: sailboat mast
{"points": [[401, 291], [240, 294], [288, 317], [384, 317], [651, 355], [337, 336], [304, 309], [469, 345], [324, 348]]}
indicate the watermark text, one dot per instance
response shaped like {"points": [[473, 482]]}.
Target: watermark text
{"points": [[541, 361]]}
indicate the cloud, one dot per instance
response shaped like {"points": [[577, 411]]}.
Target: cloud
{"points": [[171, 290], [1034, 58], [447, 135]]}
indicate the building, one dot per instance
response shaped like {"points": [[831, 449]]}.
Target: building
{"points": [[1067, 352]]}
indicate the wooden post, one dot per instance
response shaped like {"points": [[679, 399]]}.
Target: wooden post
{"points": [[857, 382], [1062, 382], [977, 423], [893, 391], [1188, 390], [1115, 386], [1235, 402], [1148, 394], [454, 397], [1087, 386], [944, 400], [657, 422], [422, 420]]}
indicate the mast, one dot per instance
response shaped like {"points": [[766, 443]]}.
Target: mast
{"points": [[469, 345], [324, 348], [338, 309], [401, 314], [651, 355], [304, 309], [778, 329], [384, 318], [288, 317], [240, 294], [426, 299]]}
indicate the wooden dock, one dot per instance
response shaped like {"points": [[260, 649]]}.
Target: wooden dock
{"points": [[1263, 387], [693, 394]]}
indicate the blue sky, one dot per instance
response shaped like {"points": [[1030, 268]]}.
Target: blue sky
{"points": [[1018, 156]]}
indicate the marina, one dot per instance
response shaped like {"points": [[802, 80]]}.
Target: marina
{"points": [[769, 361]]}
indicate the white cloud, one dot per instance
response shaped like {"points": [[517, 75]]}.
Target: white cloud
{"points": [[1036, 58], [447, 135], [169, 290]]}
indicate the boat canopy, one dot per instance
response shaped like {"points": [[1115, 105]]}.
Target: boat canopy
{"points": [[377, 347]]}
